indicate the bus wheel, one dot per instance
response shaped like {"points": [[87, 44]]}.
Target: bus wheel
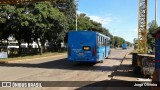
{"points": [[109, 52], [101, 61], [107, 57], [102, 58]]}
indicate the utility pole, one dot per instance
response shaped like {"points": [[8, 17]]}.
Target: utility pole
{"points": [[76, 20], [156, 11], [76, 12]]}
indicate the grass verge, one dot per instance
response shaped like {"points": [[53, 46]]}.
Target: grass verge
{"points": [[48, 54]]}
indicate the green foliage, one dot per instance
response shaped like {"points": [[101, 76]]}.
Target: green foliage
{"points": [[150, 40], [118, 41], [46, 21], [51, 24], [68, 7], [85, 23], [6, 15], [32, 22], [152, 25]]}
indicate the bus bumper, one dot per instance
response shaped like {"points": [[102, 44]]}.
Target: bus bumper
{"points": [[82, 59]]}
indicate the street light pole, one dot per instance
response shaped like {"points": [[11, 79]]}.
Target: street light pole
{"points": [[76, 20], [76, 13], [156, 5]]}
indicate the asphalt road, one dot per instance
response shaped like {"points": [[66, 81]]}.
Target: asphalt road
{"points": [[59, 69]]}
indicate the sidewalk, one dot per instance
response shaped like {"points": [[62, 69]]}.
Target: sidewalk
{"points": [[125, 70], [125, 73]]}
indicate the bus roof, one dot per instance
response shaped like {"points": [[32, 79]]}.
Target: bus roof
{"points": [[92, 32]]}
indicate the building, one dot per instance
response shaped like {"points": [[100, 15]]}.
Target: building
{"points": [[156, 34], [13, 43]]}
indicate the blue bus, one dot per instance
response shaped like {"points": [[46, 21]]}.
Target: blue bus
{"points": [[87, 46], [124, 46]]}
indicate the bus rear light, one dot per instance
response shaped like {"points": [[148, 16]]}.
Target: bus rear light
{"points": [[86, 48], [94, 51]]}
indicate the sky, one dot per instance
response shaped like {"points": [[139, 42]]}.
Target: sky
{"points": [[119, 16]]}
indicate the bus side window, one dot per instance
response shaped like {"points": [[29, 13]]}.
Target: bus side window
{"points": [[102, 40], [108, 42], [105, 42], [99, 40]]}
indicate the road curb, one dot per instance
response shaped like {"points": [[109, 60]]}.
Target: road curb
{"points": [[3, 62], [12, 61]]}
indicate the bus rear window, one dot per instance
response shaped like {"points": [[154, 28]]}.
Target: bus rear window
{"points": [[86, 48]]}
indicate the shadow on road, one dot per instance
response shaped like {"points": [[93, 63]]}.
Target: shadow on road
{"points": [[119, 58], [113, 84], [126, 71], [128, 58], [63, 64]]}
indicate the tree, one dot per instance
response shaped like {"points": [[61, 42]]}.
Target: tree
{"points": [[45, 21], [150, 40], [33, 21], [6, 15], [51, 24], [84, 22], [118, 41], [68, 7]]}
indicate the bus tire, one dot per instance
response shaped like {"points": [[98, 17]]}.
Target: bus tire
{"points": [[101, 61], [107, 57], [109, 52]]}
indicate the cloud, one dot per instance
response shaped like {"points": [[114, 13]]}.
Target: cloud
{"points": [[115, 25], [105, 20], [134, 30]]}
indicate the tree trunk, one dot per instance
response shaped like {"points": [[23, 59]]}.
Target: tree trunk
{"points": [[42, 46], [28, 45], [28, 48], [20, 49], [42, 49], [39, 47], [7, 48]]}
